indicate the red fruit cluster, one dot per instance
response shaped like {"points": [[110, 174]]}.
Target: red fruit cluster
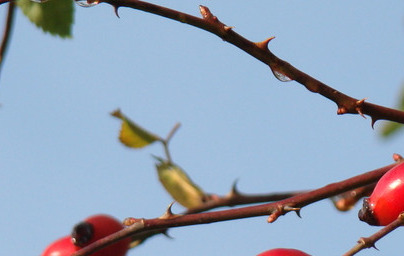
{"points": [[387, 199], [87, 232], [283, 252]]}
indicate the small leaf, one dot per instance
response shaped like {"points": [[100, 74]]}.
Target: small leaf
{"points": [[54, 16], [132, 135], [179, 185], [390, 128]]}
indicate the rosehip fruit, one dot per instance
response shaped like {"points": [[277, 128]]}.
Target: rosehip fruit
{"points": [[387, 199], [97, 227], [283, 252], [61, 247]]}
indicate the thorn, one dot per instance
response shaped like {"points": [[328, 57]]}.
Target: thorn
{"points": [[288, 208], [358, 108], [264, 44], [234, 190], [116, 10], [367, 243], [168, 214], [228, 28], [374, 120], [165, 233], [298, 213], [397, 157]]}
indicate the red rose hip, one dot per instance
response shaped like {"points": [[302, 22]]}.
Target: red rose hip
{"points": [[387, 199], [61, 247], [97, 227], [283, 252]]}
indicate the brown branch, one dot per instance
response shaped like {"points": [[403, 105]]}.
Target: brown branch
{"points": [[7, 32], [274, 210], [346, 201], [369, 242], [5, 1], [232, 199], [281, 69]]}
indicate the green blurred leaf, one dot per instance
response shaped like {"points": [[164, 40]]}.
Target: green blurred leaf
{"points": [[132, 135], [391, 128], [54, 16], [179, 185]]}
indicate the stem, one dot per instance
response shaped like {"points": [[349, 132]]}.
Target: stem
{"points": [[369, 242], [167, 141], [7, 32], [260, 51], [275, 210]]}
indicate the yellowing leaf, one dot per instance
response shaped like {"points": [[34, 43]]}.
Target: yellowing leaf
{"points": [[54, 16], [179, 185], [132, 135]]}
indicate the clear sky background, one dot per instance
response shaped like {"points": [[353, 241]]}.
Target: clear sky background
{"points": [[61, 160]]}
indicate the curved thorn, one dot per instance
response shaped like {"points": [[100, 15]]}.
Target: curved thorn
{"points": [[264, 44], [298, 213], [168, 213], [234, 190], [116, 7], [374, 120], [165, 233]]}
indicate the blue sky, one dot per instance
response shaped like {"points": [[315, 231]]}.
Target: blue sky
{"points": [[61, 160]]}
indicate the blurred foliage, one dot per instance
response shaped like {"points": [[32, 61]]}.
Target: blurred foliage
{"points": [[54, 16], [132, 135], [179, 185], [391, 128]]}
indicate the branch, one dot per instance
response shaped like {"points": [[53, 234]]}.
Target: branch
{"points": [[232, 199], [5, 1], [7, 31], [369, 242], [259, 50], [274, 210]]}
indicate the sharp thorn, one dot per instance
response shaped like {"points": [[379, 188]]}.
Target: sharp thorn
{"points": [[234, 190], [374, 120], [116, 11], [165, 233]]}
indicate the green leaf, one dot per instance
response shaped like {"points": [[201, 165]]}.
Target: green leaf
{"points": [[391, 128], [54, 16], [179, 185], [132, 135]]}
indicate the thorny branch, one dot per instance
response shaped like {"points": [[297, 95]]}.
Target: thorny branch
{"points": [[283, 71], [260, 51], [369, 242], [274, 210]]}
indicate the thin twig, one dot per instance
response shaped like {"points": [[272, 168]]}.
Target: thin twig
{"points": [[369, 242], [260, 51], [274, 210], [7, 32]]}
